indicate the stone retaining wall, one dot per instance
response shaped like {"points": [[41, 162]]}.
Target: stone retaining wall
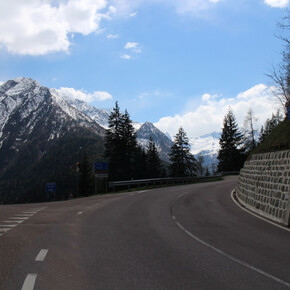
{"points": [[264, 185]]}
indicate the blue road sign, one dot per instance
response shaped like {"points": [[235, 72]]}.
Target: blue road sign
{"points": [[101, 166], [51, 187]]}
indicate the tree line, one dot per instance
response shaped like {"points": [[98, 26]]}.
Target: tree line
{"points": [[236, 144], [128, 160]]}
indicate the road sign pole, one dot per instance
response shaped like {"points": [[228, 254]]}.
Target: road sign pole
{"points": [[96, 185]]}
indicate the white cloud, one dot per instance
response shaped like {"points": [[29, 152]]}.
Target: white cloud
{"points": [[208, 117], [133, 14], [133, 48], [277, 3], [83, 95], [126, 56], [131, 45], [112, 36], [127, 7], [38, 27]]}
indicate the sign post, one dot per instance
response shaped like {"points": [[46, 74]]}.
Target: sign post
{"points": [[50, 187], [101, 171]]}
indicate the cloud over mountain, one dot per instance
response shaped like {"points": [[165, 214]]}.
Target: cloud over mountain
{"points": [[209, 115]]}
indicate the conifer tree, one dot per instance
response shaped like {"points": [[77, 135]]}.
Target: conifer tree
{"points": [[270, 124], [113, 142], [231, 155], [120, 145], [183, 162], [153, 160], [86, 176], [129, 145]]}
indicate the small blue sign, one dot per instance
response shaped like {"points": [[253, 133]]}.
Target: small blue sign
{"points": [[101, 166], [51, 187], [288, 112]]}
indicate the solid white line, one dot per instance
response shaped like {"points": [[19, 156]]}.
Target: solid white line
{"points": [[29, 282], [257, 216], [41, 255], [225, 254], [232, 257]]}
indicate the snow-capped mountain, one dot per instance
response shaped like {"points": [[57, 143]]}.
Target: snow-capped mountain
{"points": [[26, 106], [100, 116], [208, 147], [163, 143], [32, 119]]}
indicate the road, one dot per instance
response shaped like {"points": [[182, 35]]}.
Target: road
{"points": [[181, 237]]}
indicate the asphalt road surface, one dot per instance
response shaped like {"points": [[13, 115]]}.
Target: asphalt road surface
{"points": [[182, 237]]}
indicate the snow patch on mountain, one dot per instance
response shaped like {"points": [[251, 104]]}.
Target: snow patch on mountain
{"points": [[208, 147], [100, 116]]}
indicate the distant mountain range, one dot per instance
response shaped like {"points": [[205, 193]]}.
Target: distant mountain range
{"points": [[39, 126]]}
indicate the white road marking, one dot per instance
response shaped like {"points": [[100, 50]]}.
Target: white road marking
{"points": [[19, 218], [232, 257], [181, 195], [4, 230], [80, 212], [142, 191], [9, 226], [29, 282], [41, 255], [257, 216], [15, 221], [24, 214], [222, 253]]}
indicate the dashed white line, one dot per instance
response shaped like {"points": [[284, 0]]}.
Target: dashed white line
{"points": [[19, 218], [80, 212], [4, 230], [41, 255], [29, 282], [14, 221], [9, 226]]}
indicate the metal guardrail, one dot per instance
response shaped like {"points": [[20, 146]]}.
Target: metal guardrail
{"points": [[129, 184]]}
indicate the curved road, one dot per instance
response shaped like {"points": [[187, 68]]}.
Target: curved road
{"points": [[183, 237]]}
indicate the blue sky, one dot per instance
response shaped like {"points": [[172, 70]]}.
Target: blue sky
{"points": [[173, 63]]}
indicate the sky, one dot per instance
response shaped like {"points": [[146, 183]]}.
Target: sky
{"points": [[173, 63]]}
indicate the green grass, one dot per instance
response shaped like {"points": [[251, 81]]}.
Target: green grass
{"points": [[278, 140]]}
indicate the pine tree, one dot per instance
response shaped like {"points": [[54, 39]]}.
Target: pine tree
{"points": [[183, 162], [120, 145], [270, 124], [86, 176], [153, 160], [231, 156], [113, 143], [129, 145]]}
